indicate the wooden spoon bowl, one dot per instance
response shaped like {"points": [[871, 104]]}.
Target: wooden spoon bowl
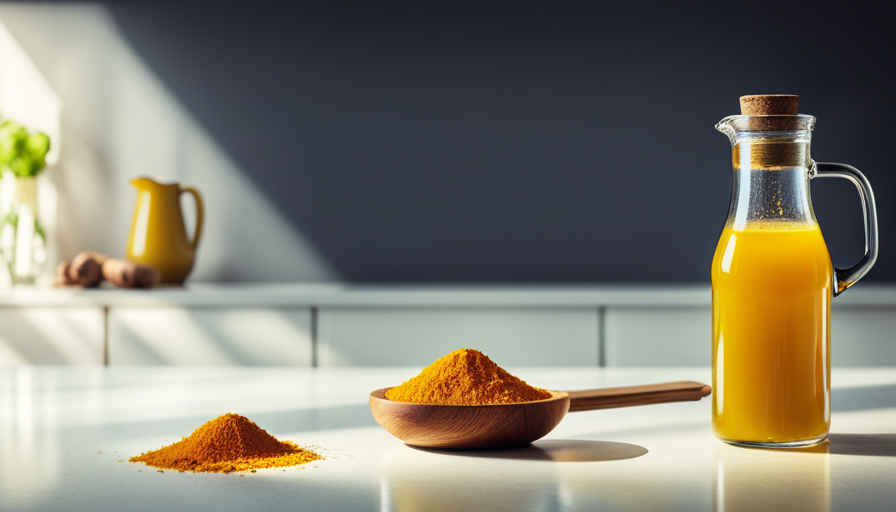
{"points": [[507, 425], [469, 426]]}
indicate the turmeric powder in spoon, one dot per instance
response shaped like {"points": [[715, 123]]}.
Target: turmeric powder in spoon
{"points": [[466, 377]]}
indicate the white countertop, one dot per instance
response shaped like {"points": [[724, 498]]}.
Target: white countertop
{"points": [[336, 295], [54, 421]]}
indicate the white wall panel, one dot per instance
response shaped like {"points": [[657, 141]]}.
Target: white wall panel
{"points": [[671, 336], [418, 336], [654, 336], [863, 336], [72, 336], [210, 336]]}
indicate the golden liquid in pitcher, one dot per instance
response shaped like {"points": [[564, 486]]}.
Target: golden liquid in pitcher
{"points": [[772, 286]]}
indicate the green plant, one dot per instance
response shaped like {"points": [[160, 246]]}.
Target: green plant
{"points": [[22, 152]]}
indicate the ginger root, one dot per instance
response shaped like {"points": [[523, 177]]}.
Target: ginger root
{"points": [[62, 277], [88, 268], [130, 275], [85, 270]]}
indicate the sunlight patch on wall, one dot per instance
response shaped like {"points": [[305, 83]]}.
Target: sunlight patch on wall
{"points": [[27, 98], [25, 95], [119, 122]]}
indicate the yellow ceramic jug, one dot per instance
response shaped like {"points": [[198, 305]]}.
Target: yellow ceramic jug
{"points": [[158, 235]]}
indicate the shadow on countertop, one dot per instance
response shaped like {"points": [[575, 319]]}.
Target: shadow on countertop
{"points": [[879, 445], [555, 450]]}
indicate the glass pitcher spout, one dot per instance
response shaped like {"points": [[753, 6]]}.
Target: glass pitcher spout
{"points": [[775, 127]]}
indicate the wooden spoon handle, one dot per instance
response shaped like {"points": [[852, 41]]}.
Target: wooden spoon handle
{"points": [[609, 398]]}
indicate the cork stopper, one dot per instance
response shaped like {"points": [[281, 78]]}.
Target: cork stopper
{"points": [[769, 105], [784, 105]]}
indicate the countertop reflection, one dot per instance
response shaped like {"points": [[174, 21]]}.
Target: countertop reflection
{"points": [[66, 435]]}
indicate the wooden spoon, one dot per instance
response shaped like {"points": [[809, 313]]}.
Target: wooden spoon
{"points": [[506, 425]]}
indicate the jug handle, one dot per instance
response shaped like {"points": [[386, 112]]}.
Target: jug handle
{"points": [[844, 278], [200, 214]]}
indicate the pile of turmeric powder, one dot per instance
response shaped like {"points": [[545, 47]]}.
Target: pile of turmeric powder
{"points": [[227, 443], [465, 377]]}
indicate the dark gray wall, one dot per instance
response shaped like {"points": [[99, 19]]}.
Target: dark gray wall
{"points": [[508, 144]]}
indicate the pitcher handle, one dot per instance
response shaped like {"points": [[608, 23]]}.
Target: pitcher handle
{"points": [[200, 214], [844, 278]]}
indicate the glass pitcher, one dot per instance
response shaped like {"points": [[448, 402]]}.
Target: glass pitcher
{"points": [[772, 284]]}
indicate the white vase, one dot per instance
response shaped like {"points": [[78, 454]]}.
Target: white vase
{"points": [[22, 238]]}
